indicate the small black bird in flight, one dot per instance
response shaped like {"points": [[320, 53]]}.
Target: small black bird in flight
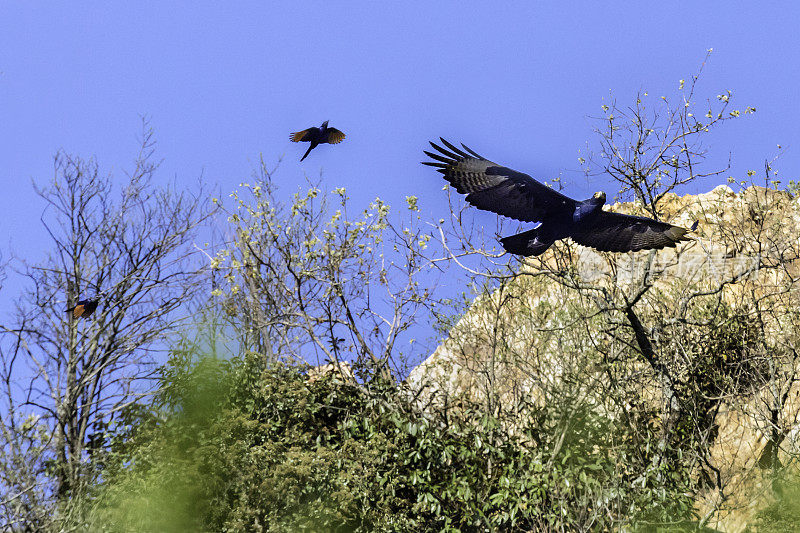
{"points": [[84, 308], [317, 136], [499, 189]]}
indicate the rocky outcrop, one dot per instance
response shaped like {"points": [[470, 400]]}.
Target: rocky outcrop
{"points": [[744, 254]]}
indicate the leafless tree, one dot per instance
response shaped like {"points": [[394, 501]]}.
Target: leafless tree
{"points": [[310, 281], [68, 381]]}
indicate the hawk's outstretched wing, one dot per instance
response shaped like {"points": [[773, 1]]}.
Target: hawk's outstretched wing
{"points": [[333, 136], [617, 232], [498, 189], [305, 135]]}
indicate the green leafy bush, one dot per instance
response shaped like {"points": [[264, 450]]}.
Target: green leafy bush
{"points": [[239, 445]]}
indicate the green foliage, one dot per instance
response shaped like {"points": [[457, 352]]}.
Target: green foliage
{"points": [[240, 445], [726, 360], [793, 188], [783, 515], [729, 360]]}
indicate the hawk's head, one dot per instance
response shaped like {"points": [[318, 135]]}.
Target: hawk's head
{"points": [[601, 196]]}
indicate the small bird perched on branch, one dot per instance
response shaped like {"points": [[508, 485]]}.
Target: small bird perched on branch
{"points": [[317, 136], [84, 308], [504, 191]]}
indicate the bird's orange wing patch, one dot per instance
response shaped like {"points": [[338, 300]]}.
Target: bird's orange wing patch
{"points": [[335, 136], [78, 311], [299, 135]]}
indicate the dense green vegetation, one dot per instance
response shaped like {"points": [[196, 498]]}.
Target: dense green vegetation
{"points": [[237, 445]]}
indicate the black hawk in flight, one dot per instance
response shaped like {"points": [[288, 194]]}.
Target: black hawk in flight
{"points": [[499, 189], [84, 308], [317, 136]]}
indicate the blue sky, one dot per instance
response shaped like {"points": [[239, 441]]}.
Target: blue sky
{"points": [[223, 83]]}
